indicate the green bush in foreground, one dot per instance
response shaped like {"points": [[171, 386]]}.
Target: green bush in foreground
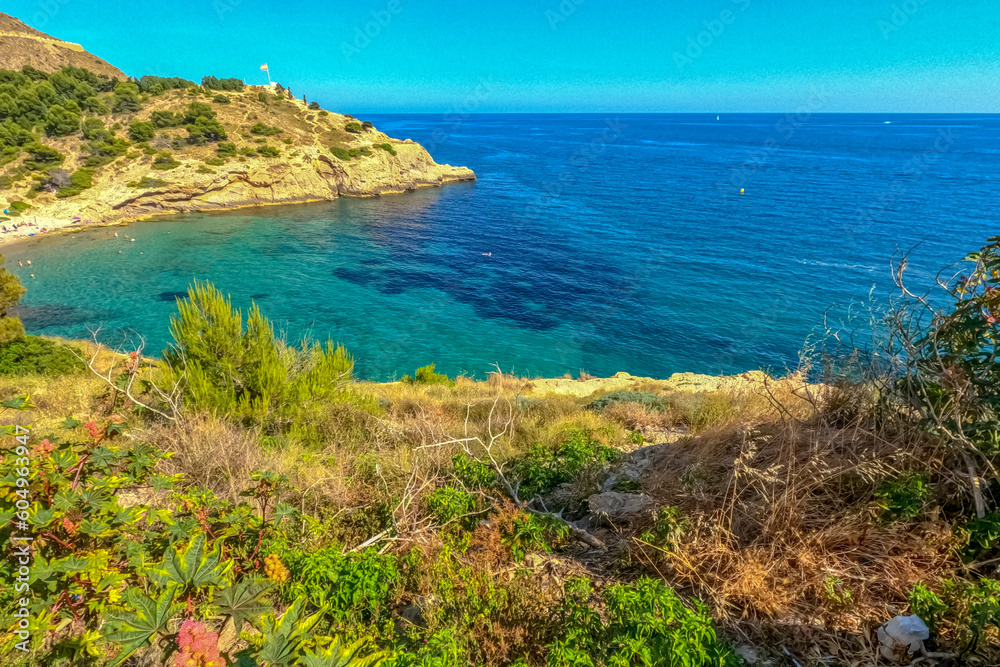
{"points": [[646, 623], [244, 371], [31, 355], [11, 291], [340, 153]]}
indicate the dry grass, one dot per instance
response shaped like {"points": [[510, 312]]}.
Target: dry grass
{"points": [[782, 515]]}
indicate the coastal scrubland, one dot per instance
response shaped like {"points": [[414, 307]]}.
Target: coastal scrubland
{"points": [[241, 499], [78, 145]]}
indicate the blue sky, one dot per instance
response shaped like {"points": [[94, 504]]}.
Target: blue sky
{"points": [[561, 55]]}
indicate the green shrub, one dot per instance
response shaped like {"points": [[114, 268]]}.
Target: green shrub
{"points": [[31, 355], [324, 113], [426, 375], [268, 151], [358, 587], [248, 151], [165, 161], [61, 122], [214, 83], [669, 527], [340, 153], [202, 169], [216, 161], [645, 623], [163, 119], [126, 98], [221, 99], [388, 148], [224, 149], [11, 291], [265, 130], [353, 128], [447, 503], [966, 612], [263, 98], [953, 387], [367, 125], [41, 157], [314, 106], [543, 468], [20, 206], [472, 473], [147, 182], [651, 401], [982, 536], [926, 604], [903, 498], [80, 180], [141, 130], [246, 372], [205, 129]]}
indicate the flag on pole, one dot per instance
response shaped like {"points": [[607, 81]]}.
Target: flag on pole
{"points": [[263, 68]]}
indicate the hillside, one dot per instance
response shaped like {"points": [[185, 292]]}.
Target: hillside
{"points": [[78, 144], [22, 46]]}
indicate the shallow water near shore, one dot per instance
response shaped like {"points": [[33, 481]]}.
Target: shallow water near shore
{"points": [[603, 243]]}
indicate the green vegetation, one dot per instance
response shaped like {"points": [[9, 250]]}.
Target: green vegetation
{"points": [[246, 372], [79, 180], [147, 183], [163, 119], [426, 375], [340, 153], [268, 151], [354, 128], [164, 161], [221, 99], [213, 83], [11, 291], [141, 130], [264, 130], [388, 148], [31, 355], [224, 149], [157, 85]]}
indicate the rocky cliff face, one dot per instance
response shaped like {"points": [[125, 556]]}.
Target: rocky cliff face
{"points": [[312, 175], [21, 45]]}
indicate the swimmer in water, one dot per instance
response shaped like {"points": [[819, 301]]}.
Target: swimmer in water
{"points": [[20, 263], [488, 254]]}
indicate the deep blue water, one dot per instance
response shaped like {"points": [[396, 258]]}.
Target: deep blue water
{"points": [[617, 243]]}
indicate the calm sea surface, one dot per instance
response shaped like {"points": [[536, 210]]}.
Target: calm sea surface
{"points": [[603, 243]]}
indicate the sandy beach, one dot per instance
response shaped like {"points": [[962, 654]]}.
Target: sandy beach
{"points": [[25, 226]]}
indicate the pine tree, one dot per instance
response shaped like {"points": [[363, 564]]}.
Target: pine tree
{"points": [[10, 293]]}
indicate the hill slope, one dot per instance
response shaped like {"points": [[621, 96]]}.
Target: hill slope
{"points": [[106, 150], [21, 45]]}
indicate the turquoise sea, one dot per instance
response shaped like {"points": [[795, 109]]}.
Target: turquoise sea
{"points": [[597, 243]]}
